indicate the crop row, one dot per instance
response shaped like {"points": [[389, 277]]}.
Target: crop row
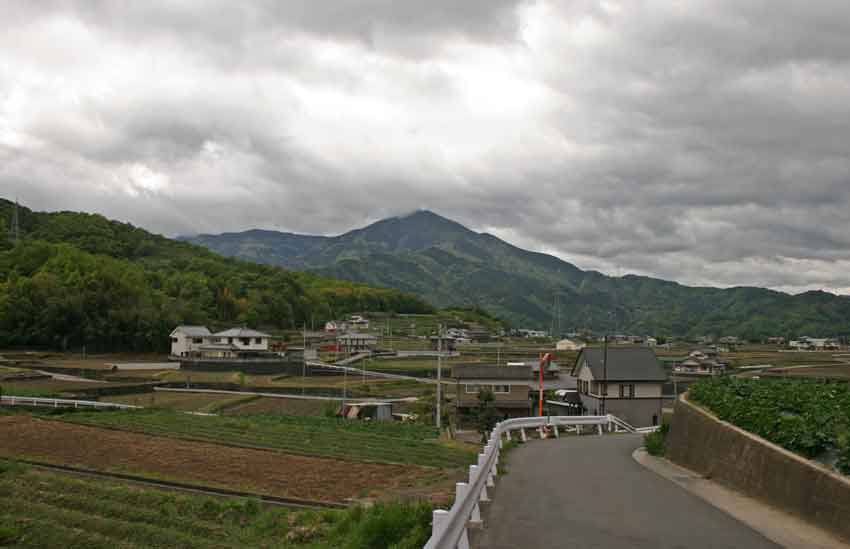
{"points": [[311, 438], [50, 510], [805, 416], [46, 509]]}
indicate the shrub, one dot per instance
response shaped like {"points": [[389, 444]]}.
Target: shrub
{"points": [[385, 526], [844, 454], [655, 442]]}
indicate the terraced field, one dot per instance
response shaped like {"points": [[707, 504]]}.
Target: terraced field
{"points": [[377, 441], [46, 509]]}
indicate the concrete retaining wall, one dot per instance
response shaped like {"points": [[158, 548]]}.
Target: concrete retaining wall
{"points": [[749, 464]]}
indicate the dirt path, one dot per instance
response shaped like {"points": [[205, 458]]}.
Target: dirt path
{"points": [[268, 472]]}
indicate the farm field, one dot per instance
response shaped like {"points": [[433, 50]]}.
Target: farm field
{"points": [[181, 402], [805, 416], [388, 442], [283, 406], [46, 509], [838, 371], [203, 463], [52, 387]]}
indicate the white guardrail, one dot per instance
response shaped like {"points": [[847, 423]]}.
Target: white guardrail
{"points": [[12, 400], [449, 528]]}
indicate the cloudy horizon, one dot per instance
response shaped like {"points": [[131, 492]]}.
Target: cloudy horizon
{"points": [[702, 142]]}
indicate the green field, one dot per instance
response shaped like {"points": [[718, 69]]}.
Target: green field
{"points": [[389, 442], [46, 509], [804, 416]]}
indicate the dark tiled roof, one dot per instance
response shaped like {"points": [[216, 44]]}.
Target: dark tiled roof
{"points": [[624, 364], [490, 371]]}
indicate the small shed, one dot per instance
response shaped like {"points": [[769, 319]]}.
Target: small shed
{"points": [[376, 411]]}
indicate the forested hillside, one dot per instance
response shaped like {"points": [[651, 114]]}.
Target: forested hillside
{"points": [[80, 279], [450, 265]]}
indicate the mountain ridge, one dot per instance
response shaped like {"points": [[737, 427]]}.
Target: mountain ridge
{"points": [[451, 265]]}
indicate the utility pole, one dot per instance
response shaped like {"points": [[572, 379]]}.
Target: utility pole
{"points": [[439, 374], [604, 390], [304, 361]]}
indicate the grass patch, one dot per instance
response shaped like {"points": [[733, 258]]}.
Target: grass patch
{"points": [[386, 442], [45, 509]]}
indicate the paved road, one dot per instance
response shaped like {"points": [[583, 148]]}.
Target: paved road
{"points": [[587, 492]]}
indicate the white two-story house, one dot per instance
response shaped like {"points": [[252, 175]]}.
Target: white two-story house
{"points": [[627, 383], [187, 340]]}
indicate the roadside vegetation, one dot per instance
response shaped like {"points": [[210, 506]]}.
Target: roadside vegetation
{"points": [[386, 442], [656, 441], [808, 417], [46, 509]]}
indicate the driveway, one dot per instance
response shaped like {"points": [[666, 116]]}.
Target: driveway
{"points": [[587, 492]]}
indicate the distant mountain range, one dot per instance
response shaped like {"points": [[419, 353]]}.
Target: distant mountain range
{"points": [[450, 265]]}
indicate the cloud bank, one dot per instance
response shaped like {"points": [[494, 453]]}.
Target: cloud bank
{"points": [[702, 141]]}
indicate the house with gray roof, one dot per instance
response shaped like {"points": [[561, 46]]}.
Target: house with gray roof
{"points": [[242, 339], [624, 381], [186, 340], [198, 341], [509, 385]]}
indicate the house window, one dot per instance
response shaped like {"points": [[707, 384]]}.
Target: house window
{"points": [[631, 389], [246, 340], [501, 389], [604, 387], [258, 340], [197, 340], [470, 389], [175, 340], [622, 391]]}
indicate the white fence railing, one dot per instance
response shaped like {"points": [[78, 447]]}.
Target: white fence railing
{"points": [[12, 400], [449, 528]]}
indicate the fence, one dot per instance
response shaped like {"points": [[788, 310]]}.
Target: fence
{"points": [[449, 528], [37, 402]]}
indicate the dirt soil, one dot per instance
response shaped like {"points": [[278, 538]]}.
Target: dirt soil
{"points": [[270, 472]]}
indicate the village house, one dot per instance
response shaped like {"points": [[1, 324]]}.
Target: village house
{"points": [[627, 383], [806, 343], [509, 385], [515, 387], [186, 340], [354, 342], [701, 363], [569, 345]]}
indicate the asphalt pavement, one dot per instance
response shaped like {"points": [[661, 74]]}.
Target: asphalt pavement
{"points": [[588, 492]]}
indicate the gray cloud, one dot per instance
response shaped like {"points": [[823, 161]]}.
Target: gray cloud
{"points": [[706, 142]]}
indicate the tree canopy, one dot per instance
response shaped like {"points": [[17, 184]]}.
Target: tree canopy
{"points": [[79, 279]]}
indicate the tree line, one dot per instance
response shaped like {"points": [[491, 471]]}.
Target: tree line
{"points": [[81, 280]]}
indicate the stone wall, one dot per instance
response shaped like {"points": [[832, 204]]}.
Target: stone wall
{"points": [[749, 464]]}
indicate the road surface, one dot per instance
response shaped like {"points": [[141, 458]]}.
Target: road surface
{"points": [[588, 492]]}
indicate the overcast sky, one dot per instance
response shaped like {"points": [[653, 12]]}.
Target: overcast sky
{"points": [[704, 142]]}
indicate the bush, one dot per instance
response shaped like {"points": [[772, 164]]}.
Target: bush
{"points": [[385, 526], [655, 442], [844, 454]]}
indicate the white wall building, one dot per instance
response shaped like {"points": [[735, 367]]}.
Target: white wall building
{"points": [[188, 339], [243, 339]]}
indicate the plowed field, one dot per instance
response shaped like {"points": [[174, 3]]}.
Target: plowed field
{"points": [[270, 472]]}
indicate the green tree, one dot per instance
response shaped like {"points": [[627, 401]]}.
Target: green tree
{"points": [[486, 414]]}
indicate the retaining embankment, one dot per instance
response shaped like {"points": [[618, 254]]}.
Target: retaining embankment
{"points": [[716, 449]]}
